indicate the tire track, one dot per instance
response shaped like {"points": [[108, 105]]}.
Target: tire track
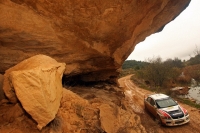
{"points": [[130, 94]]}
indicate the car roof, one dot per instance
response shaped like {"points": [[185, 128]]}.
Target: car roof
{"points": [[158, 96]]}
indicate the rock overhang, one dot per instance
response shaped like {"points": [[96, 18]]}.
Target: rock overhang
{"points": [[93, 38]]}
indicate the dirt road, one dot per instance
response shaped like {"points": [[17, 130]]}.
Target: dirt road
{"points": [[135, 96]]}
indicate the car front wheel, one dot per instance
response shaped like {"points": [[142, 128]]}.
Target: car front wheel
{"points": [[159, 120]]}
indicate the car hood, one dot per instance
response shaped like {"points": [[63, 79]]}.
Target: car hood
{"points": [[171, 108], [174, 111]]}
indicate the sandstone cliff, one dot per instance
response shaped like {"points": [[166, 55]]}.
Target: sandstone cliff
{"points": [[93, 37]]}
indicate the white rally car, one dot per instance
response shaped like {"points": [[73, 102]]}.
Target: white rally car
{"points": [[166, 110]]}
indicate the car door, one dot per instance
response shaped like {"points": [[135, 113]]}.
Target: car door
{"points": [[151, 106]]}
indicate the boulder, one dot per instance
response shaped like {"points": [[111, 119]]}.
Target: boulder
{"points": [[37, 84], [93, 37]]}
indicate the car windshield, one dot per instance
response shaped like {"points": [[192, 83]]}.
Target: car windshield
{"points": [[167, 102]]}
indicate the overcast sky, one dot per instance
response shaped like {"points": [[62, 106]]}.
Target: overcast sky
{"points": [[179, 38]]}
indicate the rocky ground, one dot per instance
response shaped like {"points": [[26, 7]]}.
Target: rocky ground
{"points": [[96, 109], [99, 108]]}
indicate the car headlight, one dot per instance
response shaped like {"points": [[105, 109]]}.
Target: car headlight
{"points": [[163, 114], [184, 111]]}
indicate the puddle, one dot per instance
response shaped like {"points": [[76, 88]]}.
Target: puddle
{"points": [[194, 93], [129, 95]]}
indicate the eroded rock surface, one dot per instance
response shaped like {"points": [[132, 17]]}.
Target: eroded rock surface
{"points": [[82, 110], [1, 88], [93, 37], [116, 120], [95, 111], [36, 83]]}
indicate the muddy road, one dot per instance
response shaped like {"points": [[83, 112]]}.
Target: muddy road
{"points": [[135, 95]]}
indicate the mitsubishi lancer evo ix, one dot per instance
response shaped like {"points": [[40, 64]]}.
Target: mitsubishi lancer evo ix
{"points": [[166, 110]]}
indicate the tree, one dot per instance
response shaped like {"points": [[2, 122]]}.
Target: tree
{"points": [[196, 51], [133, 64], [196, 59], [176, 62], [157, 71]]}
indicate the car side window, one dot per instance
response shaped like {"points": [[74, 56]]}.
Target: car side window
{"points": [[152, 102], [149, 99]]}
